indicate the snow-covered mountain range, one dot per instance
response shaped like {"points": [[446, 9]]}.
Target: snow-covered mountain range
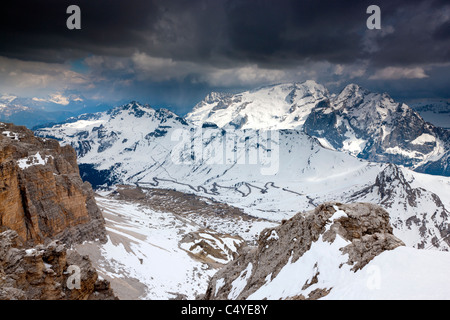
{"points": [[199, 189], [367, 125], [270, 174], [285, 106]]}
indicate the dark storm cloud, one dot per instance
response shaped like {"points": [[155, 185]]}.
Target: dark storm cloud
{"points": [[296, 30], [442, 32], [36, 30], [175, 51], [270, 33], [419, 35]]}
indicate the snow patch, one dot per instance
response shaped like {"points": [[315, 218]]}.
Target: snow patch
{"points": [[81, 124], [424, 138], [398, 150], [239, 284], [273, 236], [10, 134], [324, 142], [219, 284], [293, 276], [338, 214], [33, 161]]}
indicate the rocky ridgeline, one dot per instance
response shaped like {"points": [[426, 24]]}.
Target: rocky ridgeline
{"points": [[364, 228], [45, 207]]}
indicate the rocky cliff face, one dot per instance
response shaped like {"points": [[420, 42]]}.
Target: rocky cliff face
{"points": [[309, 251], [47, 272], [42, 196], [44, 206]]}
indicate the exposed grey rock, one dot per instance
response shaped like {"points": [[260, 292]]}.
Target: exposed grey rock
{"points": [[366, 227]]}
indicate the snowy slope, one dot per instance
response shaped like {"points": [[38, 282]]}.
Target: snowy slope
{"points": [[418, 216], [109, 140], [143, 246], [401, 274], [151, 254]]}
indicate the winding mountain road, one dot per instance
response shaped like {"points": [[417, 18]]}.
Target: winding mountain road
{"points": [[215, 186]]}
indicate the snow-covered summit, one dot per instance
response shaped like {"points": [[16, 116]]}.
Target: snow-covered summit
{"points": [[363, 104], [281, 106]]}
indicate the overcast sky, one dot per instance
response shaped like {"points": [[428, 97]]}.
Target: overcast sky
{"points": [[172, 53]]}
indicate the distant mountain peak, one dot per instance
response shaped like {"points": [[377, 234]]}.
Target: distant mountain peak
{"points": [[7, 98], [352, 88], [312, 84], [306, 86], [277, 106], [134, 108], [216, 96], [136, 104]]}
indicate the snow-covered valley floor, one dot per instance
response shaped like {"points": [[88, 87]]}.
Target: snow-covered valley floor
{"points": [[144, 257], [164, 244]]}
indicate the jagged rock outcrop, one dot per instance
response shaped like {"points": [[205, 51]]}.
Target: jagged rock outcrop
{"points": [[47, 272], [418, 216], [212, 247], [42, 196], [327, 238]]}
